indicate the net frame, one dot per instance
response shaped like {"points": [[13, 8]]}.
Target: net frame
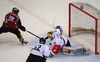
{"points": [[95, 31]]}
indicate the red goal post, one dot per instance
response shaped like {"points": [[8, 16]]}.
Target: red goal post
{"points": [[81, 10]]}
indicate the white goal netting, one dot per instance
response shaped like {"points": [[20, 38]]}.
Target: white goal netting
{"points": [[85, 19]]}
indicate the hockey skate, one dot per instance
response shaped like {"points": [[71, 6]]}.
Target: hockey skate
{"points": [[51, 55], [24, 42]]}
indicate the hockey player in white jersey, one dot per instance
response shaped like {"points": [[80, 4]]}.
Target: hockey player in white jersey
{"points": [[69, 45], [57, 33], [57, 42], [39, 53], [66, 45]]}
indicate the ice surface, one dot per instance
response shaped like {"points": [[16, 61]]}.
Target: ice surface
{"points": [[39, 17]]}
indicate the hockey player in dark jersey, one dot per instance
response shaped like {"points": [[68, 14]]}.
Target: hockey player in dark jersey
{"points": [[12, 24]]}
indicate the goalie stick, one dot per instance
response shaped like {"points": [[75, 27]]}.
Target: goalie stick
{"points": [[54, 22], [33, 34]]}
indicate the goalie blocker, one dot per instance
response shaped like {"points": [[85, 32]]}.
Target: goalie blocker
{"points": [[55, 49]]}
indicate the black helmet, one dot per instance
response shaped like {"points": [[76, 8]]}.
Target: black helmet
{"points": [[15, 10], [42, 41], [58, 27]]}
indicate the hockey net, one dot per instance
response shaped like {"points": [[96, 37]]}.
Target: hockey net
{"points": [[84, 24]]}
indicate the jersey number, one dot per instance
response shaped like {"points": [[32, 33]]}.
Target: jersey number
{"points": [[11, 18], [37, 48]]}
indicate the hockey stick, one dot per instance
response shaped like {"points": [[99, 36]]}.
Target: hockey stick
{"points": [[54, 22], [33, 34]]}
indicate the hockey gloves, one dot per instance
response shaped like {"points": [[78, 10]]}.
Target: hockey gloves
{"points": [[22, 28]]}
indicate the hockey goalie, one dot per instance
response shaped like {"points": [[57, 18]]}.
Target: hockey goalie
{"points": [[57, 40], [65, 45]]}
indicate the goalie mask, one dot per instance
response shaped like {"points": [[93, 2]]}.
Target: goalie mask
{"points": [[50, 35]]}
